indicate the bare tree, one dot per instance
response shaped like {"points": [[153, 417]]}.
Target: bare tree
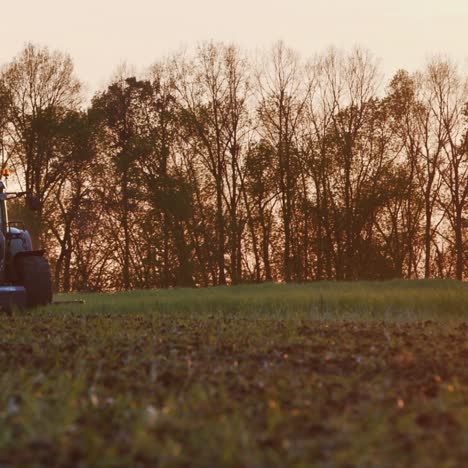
{"points": [[213, 90], [41, 89], [448, 98], [282, 101]]}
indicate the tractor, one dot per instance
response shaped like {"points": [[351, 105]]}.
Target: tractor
{"points": [[25, 279]]}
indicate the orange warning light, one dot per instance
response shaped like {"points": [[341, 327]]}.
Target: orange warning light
{"points": [[5, 172]]}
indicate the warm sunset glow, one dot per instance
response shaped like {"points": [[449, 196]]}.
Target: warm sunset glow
{"points": [[101, 34]]}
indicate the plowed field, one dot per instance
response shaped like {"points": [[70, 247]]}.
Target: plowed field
{"points": [[166, 382]]}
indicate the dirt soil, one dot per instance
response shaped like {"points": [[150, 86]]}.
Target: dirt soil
{"points": [[140, 390]]}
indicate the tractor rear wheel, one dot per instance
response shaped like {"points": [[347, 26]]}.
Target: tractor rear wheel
{"points": [[34, 275]]}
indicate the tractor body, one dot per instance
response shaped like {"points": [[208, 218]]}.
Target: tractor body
{"points": [[25, 279]]}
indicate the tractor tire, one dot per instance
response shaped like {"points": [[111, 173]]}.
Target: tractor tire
{"points": [[34, 275]]}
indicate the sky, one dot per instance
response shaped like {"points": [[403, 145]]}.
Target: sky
{"points": [[101, 34]]}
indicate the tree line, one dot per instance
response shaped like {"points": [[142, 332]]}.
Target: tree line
{"points": [[213, 168]]}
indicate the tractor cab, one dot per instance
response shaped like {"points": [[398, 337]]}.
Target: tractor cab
{"points": [[25, 279]]}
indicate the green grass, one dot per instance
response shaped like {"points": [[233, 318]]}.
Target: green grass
{"points": [[324, 374], [390, 300]]}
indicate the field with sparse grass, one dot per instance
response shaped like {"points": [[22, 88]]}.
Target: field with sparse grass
{"points": [[323, 374]]}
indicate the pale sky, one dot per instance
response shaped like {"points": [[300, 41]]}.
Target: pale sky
{"points": [[101, 34]]}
